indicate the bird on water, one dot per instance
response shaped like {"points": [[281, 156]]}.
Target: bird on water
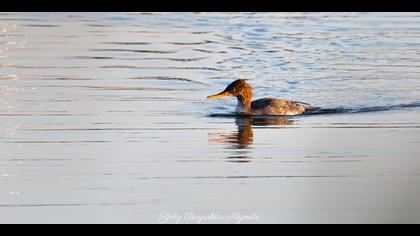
{"points": [[265, 106]]}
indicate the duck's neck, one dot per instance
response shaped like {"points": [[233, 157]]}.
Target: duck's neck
{"points": [[244, 104]]}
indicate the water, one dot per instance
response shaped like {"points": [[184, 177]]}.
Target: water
{"points": [[104, 117]]}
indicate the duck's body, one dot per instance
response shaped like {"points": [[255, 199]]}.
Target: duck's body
{"points": [[271, 106], [265, 106]]}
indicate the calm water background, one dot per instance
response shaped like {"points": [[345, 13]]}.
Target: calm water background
{"points": [[103, 117]]}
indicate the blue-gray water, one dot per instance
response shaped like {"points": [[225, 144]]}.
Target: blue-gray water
{"points": [[104, 117]]}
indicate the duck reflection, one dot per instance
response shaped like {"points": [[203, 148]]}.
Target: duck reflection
{"points": [[242, 139]]}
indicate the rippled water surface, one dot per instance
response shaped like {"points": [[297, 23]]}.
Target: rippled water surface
{"points": [[104, 117]]}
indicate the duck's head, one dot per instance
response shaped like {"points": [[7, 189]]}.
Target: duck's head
{"points": [[239, 89]]}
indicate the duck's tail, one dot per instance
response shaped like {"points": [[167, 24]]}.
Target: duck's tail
{"points": [[306, 105]]}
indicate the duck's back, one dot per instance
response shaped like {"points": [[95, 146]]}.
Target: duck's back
{"points": [[271, 106]]}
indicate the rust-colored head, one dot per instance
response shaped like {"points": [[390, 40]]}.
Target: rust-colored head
{"points": [[239, 88]]}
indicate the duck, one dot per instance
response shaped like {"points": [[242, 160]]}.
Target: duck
{"points": [[264, 106]]}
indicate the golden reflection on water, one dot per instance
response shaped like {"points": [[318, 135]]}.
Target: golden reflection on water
{"points": [[243, 137]]}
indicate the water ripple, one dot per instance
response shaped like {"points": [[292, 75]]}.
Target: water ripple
{"points": [[132, 50]]}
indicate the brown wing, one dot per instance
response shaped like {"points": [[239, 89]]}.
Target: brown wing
{"points": [[271, 106]]}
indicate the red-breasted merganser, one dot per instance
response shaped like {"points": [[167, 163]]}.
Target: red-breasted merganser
{"points": [[265, 106]]}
